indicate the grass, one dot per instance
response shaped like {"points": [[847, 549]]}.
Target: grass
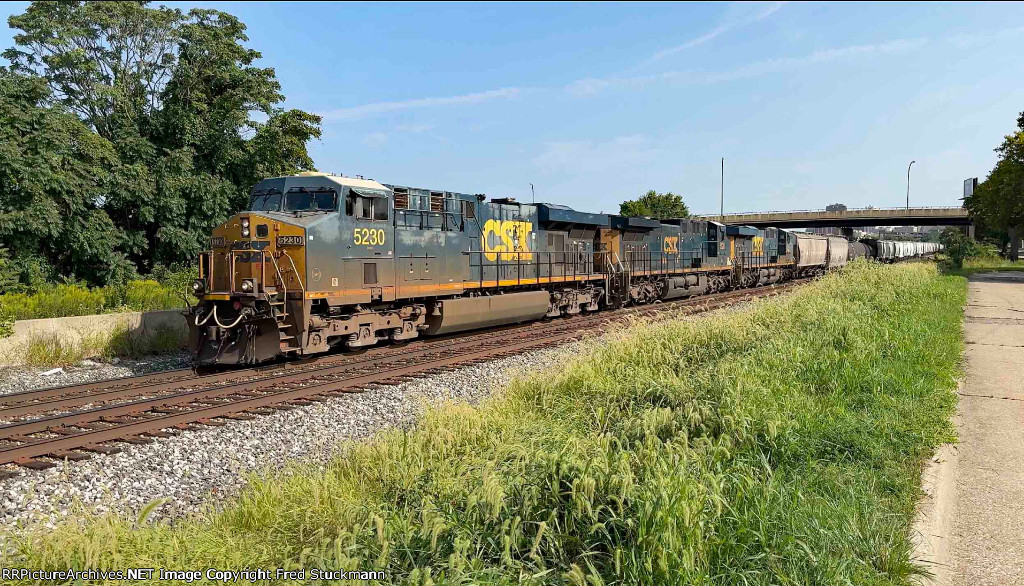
{"points": [[61, 350], [985, 259], [779, 444], [990, 263]]}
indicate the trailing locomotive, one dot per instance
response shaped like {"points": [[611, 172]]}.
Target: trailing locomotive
{"points": [[321, 261]]}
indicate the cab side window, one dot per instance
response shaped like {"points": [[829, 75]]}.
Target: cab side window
{"points": [[367, 208], [358, 207]]}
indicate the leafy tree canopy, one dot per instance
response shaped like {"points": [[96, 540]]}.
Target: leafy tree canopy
{"points": [[655, 205], [998, 201], [129, 131]]}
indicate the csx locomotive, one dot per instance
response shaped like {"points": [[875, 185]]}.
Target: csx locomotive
{"points": [[322, 261]]}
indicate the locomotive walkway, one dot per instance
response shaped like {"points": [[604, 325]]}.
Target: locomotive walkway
{"points": [[975, 510]]}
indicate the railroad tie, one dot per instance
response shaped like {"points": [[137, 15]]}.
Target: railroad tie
{"points": [[101, 449], [35, 464], [210, 422], [68, 455], [137, 440]]}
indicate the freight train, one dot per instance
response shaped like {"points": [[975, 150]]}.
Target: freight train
{"points": [[323, 261]]}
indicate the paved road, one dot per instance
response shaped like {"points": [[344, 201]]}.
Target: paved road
{"points": [[980, 488]]}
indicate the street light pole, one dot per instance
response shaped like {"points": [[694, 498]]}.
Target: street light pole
{"points": [[721, 200], [908, 183]]}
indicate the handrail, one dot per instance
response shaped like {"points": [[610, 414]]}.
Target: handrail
{"points": [[280, 277], [296, 271]]}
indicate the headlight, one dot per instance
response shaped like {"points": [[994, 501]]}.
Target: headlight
{"points": [[245, 222], [247, 285], [245, 232], [198, 286]]}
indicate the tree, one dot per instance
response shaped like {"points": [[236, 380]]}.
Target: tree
{"points": [[55, 173], [655, 205], [166, 102], [998, 201], [107, 62]]}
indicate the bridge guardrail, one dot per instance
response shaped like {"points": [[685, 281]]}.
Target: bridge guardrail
{"points": [[921, 212]]}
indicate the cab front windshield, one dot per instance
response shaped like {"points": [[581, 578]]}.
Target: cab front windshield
{"points": [[265, 201], [302, 199], [299, 199]]}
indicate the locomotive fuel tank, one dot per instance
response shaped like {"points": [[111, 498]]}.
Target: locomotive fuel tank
{"points": [[684, 286], [470, 313]]}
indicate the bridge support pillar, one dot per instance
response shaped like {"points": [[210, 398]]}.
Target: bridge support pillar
{"points": [[847, 233]]}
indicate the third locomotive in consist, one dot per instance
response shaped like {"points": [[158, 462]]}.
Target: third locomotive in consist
{"points": [[322, 261]]}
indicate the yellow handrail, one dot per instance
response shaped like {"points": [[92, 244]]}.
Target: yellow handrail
{"points": [[298, 278], [280, 277]]}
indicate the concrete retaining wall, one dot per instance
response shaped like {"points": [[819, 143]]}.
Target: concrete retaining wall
{"points": [[92, 335]]}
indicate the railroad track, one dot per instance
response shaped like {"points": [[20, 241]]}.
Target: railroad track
{"points": [[72, 422]]}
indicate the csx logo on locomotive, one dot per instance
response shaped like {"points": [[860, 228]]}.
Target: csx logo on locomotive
{"points": [[671, 245], [508, 237]]}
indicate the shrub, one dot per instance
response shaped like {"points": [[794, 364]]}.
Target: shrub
{"points": [[71, 299], [958, 247]]}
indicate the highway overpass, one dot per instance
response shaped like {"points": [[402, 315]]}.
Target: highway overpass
{"points": [[928, 216]]}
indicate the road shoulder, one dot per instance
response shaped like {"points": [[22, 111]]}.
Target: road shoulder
{"points": [[971, 519]]}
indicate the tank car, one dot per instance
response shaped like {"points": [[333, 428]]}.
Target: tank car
{"points": [[858, 250]]}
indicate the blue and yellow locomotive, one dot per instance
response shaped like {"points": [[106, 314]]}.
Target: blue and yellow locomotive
{"points": [[322, 261]]}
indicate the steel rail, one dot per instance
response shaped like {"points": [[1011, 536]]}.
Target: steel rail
{"points": [[15, 405], [97, 414], [110, 423], [43, 400]]}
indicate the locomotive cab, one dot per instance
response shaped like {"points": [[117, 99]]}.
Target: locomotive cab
{"points": [[266, 272]]}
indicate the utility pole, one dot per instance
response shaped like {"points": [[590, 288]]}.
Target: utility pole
{"points": [[533, 196], [721, 196], [908, 183]]}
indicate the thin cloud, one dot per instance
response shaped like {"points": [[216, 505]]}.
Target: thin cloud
{"points": [[718, 31], [414, 128], [791, 63], [375, 139], [968, 40], [587, 157], [755, 69], [379, 108]]}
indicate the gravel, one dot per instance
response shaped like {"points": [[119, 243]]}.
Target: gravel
{"points": [[17, 379], [199, 468]]}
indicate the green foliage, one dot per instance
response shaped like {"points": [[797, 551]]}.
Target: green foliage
{"points": [[54, 172], [73, 299], [777, 444], [655, 205], [985, 259], [998, 202], [125, 136], [958, 246]]}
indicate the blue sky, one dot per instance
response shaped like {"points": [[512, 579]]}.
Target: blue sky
{"points": [[809, 104]]}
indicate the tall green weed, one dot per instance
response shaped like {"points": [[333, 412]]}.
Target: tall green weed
{"points": [[777, 444]]}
